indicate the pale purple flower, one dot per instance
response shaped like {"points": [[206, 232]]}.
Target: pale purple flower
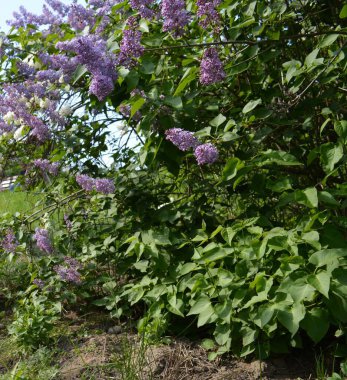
{"points": [[104, 185], [211, 68], [175, 16], [206, 154], [79, 17], [101, 86], [125, 110], [86, 182], [67, 221], [69, 271], [184, 140], [208, 13], [43, 241], [9, 243], [143, 7], [130, 47], [46, 166], [39, 283]]}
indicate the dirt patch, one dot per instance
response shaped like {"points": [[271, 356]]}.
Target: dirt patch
{"points": [[99, 357]]}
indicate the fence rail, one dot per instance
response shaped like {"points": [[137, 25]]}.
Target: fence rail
{"points": [[6, 183]]}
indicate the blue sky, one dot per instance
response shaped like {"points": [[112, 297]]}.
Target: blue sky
{"points": [[9, 6]]}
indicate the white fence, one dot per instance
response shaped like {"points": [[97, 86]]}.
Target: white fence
{"points": [[6, 183]]}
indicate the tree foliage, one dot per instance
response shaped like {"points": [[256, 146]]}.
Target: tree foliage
{"points": [[249, 244]]}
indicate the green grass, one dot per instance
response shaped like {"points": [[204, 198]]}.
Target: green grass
{"points": [[12, 202]]}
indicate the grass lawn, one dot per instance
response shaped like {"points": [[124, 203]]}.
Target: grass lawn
{"points": [[12, 202]]}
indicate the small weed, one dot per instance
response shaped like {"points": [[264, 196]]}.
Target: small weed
{"points": [[131, 362]]}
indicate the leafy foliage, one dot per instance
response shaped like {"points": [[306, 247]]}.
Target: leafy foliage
{"points": [[250, 250]]}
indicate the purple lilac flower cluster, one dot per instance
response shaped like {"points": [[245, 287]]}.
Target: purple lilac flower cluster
{"points": [[70, 271], [175, 16], [9, 243], [46, 166], [130, 47], [206, 154], [143, 7], [39, 283], [67, 221], [26, 104], [91, 51], [211, 68], [102, 185], [75, 14], [43, 241], [185, 140], [208, 13]]}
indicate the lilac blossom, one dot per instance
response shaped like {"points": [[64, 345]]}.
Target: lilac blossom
{"points": [[9, 243], [206, 154], [211, 68], [39, 283], [101, 86], [67, 221], [143, 7], [91, 51], [208, 13], [43, 241], [130, 47], [175, 16], [69, 271], [19, 103], [104, 185], [46, 166], [79, 17], [87, 183], [125, 110], [184, 140]]}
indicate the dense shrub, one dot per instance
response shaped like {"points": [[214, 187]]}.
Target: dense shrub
{"points": [[224, 207]]}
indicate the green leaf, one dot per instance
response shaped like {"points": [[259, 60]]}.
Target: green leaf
{"points": [[326, 197], [79, 72], [136, 105], [328, 40], [341, 128], [331, 154], [174, 101], [208, 344], [176, 305], [277, 157], [321, 282], [263, 315], [311, 57], [311, 197], [201, 304], [222, 333], [251, 105], [343, 13], [218, 120], [213, 252], [316, 323], [231, 168], [328, 257], [188, 76], [297, 288], [290, 317]]}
